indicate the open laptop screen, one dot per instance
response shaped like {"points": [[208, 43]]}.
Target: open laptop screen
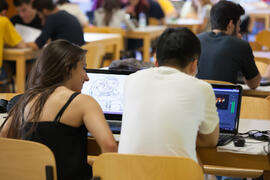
{"points": [[228, 101], [107, 87]]}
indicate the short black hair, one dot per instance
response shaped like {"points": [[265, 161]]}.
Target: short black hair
{"points": [[39, 5], [21, 2], [224, 11], [3, 5], [177, 47]]}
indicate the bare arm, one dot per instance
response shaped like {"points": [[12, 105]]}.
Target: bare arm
{"points": [[254, 82], [32, 45], [208, 140], [95, 122], [21, 45]]}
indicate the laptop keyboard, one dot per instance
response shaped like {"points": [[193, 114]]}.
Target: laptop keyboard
{"points": [[225, 139]]}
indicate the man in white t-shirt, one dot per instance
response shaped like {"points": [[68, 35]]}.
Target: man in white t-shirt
{"points": [[167, 111]]}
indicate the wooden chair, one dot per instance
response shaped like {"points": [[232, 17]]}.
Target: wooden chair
{"points": [[255, 46], [8, 96], [263, 38], [113, 166], [262, 64], [216, 82], [26, 160], [94, 55]]}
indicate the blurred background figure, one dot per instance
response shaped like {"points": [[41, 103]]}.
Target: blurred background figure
{"points": [[110, 14], [74, 10]]}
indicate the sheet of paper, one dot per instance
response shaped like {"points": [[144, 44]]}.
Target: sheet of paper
{"points": [[28, 34]]}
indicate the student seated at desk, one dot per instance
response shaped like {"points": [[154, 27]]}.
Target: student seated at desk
{"points": [[8, 34], [53, 112], [224, 54], [167, 111], [58, 25], [26, 14], [111, 15]]}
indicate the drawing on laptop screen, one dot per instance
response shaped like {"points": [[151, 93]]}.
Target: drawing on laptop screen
{"points": [[107, 89], [227, 102]]}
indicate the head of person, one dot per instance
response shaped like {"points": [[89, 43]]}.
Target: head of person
{"points": [[44, 7], [179, 48], [225, 16], [61, 2], [61, 63], [3, 7], [109, 6], [25, 10]]}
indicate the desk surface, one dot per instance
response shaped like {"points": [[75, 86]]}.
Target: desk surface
{"points": [[91, 37], [263, 54], [261, 91]]}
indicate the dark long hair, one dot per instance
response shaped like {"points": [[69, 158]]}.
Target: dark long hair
{"points": [[109, 6], [51, 70]]}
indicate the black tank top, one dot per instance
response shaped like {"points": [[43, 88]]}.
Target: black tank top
{"points": [[69, 145]]}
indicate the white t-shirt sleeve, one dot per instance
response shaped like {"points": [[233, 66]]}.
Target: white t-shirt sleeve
{"points": [[211, 119]]}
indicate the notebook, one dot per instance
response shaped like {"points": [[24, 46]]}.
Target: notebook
{"points": [[107, 88], [228, 102]]}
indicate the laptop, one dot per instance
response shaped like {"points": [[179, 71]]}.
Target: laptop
{"points": [[228, 102], [107, 88]]}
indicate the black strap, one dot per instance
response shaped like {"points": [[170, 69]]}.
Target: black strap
{"points": [[62, 110]]}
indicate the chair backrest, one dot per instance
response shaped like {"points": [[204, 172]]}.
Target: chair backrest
{"points": [[216, 82], [255, 46], [113, 166], [262, 64], [94, 55], [263, 38], [255, 108], [26, 160]]}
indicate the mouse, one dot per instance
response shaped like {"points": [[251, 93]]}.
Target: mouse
{"points": [[239, 141]]}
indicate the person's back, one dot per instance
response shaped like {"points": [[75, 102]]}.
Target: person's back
{"points": [[62, 134], [74, 10], [61, 25], [229, 55], [159, 112], [224, 54], [159, 103]]}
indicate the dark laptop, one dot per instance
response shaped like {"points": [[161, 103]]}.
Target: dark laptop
{"points": [[107, 87], [228, 102]]}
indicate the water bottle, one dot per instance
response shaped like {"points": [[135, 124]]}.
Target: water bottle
{"points": [[142, 20]]}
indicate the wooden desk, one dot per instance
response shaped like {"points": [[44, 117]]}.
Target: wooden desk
{"points": [[192, 24], [262, 54], [261, 91], [210, 156], [146, 34], [106, 39], [20, 56]]}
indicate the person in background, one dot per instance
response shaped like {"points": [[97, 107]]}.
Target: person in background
{"points": [[74, 10], [168, 9], [224, 54], [53, 112], [150, 9], [159, 103], [8, 35], [198, 9], [26, 14], [111, 15], [58, 25]]}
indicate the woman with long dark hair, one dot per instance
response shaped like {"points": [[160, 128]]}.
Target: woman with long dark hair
{"points": [[53, 112], [111, 15]]}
